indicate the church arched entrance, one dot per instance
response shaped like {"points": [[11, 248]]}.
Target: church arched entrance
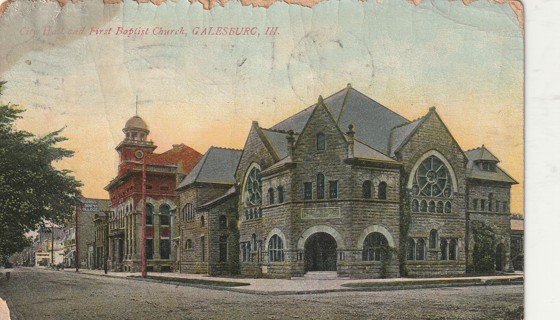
{"points": [[320, 252], [500, 257]]}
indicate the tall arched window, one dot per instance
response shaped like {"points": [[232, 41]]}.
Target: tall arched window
{"points": [[149, 214], [453, 249], [254, 241], [433, 239], [165, 217], [188, 244], [375, 246], [275, 249], [270, 196], [321, 141], [382, 190], [410, 248], [320, 186], [202, 222], [223, 222], [490, 201], [280, 190], [443, 249], [253, 188], [366, 189], [188, 212], [420, 249]]}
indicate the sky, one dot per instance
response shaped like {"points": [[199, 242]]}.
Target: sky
{"points": [[204, 90]]}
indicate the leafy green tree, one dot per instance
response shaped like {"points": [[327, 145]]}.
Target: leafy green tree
{"points": [[32, 190], [484, 247]]}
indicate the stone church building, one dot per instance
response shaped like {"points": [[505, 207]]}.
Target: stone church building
{"points": [[347, 186]]}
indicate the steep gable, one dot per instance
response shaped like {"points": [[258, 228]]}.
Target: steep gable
{"points": [[257, 149]]}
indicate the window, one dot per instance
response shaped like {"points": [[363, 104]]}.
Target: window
{"points": [[320, 186], [275, 249], [149, 214], [475, 204], [202, 220], [482, 205], [443, 249], [487, 166], [439, 208], [246, 251], [375, 246], [253, 188], [188, 212], [432, 179], [410, 249], [420, 249], [333, 189], [431, 206], [423, 206], [280, 194], [415, 205], [149, 249], [165, 248], [321, 141], [453, 249], [505, 204], [433, 239], [203, 248], [490, 198], [254, 241], [223, 246], [382, 190], [165, 218], [270, 196], [223, 222], [307, 190], [188, 244], [366, 189]]}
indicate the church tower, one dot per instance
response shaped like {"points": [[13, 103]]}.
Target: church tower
{"points": [[135, 145]]}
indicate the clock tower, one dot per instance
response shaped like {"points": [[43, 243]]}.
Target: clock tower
{"points": [[135, 145]]}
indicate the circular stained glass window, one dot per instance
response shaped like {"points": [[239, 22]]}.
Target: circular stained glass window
{"points": [[253, 187], [432, 179]]}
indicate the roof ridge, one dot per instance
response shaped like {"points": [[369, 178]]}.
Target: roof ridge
{"points": [[224, 148], [277, 130], [391, 110], [203, 161], [477, 148], [409, 122]]}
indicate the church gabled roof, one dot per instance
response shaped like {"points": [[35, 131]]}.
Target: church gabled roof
{"points": [[400, 134], [278, 140], [373, 121], [216, 166]]}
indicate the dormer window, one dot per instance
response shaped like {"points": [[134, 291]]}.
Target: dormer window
{"points": [[487, 166]]}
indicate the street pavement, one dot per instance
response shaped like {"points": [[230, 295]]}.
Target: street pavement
{"points": [[34, 293]]}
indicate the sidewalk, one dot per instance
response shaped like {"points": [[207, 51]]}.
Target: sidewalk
{"points": [[308, 286]]}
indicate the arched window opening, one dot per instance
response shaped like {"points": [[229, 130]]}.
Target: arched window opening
{"points": [[223, 222], [410, 249], [253, 188], [165, 215], [433, 239], [320, 186], [420, 249], [439, 208], [149, 214], [423, 206], [202, 220], [223, 249], [382, 190], [453, 249], [448, 207], [188, 244], [321, 141], [366, 189], [280, 194], [432, 206], [188, 212], [415, 205], [443, 249], [270, 196], [275, 249], [375, 247]]}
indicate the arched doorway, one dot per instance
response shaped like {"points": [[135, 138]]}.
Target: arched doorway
{"points": [[320, 252], [500, 257]]}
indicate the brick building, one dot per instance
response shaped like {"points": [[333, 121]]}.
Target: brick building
{"points": [[124, 222], [351, 187]]}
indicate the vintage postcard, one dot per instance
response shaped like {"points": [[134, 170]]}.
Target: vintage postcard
{"points": [[262, 159]]}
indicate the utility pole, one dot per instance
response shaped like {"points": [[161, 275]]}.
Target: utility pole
{"points": [[143, 258], [52, 246], [77, 237]]}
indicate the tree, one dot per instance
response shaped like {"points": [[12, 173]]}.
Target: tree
{"points": [[32, 190], [484, 247]]}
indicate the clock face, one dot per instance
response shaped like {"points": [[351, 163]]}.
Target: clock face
{"points": [[139, 154]]}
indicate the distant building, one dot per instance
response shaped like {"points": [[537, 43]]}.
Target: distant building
{"points": [[49, 246], [347, 186], [124, 221], [90, 208], [517, 241]]}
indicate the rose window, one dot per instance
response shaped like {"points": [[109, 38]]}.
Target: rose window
{"points": [[431, 180]]}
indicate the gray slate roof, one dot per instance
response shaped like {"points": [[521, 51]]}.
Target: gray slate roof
{"points": [[401, 133], [474, 172], [372, 121], [218, 165], [278, 141]]}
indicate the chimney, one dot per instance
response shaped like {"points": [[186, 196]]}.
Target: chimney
{"points": [[291, 141], [350, 134]]}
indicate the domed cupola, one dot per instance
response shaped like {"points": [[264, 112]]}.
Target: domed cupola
{"points": [[136, 129]]}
